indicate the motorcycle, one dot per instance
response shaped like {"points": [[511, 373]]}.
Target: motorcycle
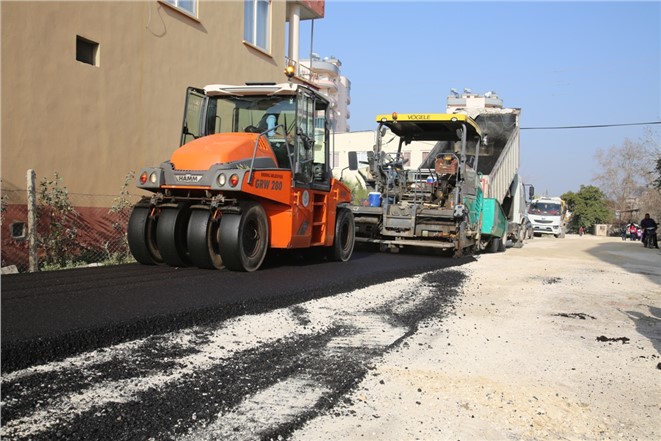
{"points": [[649, 238]]}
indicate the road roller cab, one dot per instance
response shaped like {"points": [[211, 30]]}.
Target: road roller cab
{"points": [[252, 173]]}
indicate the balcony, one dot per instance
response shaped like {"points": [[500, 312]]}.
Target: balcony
{"points": [[325, 67], [325, 83], [310, 9]]}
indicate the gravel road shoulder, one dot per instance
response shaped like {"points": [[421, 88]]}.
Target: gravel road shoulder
{"points": [[558, 340]]}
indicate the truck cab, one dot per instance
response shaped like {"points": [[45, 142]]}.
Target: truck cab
{"points": [[548, 216]]}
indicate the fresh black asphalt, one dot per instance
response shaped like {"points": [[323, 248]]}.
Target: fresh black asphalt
{"points": [[50, 315]]}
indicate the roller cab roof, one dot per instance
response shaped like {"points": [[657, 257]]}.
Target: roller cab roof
{"points": [[251, 89]]}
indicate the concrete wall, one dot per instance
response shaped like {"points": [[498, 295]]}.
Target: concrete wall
{"points": [[602, 229]]}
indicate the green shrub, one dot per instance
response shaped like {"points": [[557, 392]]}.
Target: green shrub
{"points": [[56, 235]]}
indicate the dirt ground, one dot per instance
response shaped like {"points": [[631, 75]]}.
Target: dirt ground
{"points": [[558, 340]]}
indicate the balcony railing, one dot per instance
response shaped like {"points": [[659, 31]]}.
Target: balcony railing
{"points": [[302, 71]]}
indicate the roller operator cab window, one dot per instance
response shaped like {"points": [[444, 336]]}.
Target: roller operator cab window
{"points": [[296, 126], [222, 114], [312, 156], [274, 115]]}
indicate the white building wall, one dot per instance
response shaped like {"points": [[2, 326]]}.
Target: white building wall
{"points": [[363, 142], [342, 114], [335, 86]]}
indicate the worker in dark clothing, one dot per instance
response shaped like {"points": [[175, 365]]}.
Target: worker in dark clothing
{"points": [[649, 223]]}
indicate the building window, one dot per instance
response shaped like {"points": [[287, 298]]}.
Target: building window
{"points": [[190, 6], [87, 51], [256, 23]]}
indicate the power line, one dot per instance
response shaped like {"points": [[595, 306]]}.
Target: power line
{"points": [[591, 126]]}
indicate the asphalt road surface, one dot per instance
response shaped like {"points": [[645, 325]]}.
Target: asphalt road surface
{"points": [[138, 352]]}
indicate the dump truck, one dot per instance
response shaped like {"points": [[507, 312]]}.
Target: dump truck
{"points": [[549, 215], [465, 197], [499, 162], [252, 173]]}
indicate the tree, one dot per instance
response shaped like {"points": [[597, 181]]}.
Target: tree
{"points": [[623, 172], [652, 140], [631, 175], [650, 201], [588, 206]]}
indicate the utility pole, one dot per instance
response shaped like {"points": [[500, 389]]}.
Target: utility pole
{"points": [[32, 222]]}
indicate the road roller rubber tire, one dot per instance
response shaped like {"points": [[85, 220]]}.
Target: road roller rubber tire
{"points": [[245, 238], [345, 235], [141, 235], [171, 235], [203, 239]]}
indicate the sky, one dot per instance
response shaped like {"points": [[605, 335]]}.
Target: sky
{"points": [[562, 63]]}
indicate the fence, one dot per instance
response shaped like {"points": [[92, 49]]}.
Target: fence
{"points": [[71, 229]]}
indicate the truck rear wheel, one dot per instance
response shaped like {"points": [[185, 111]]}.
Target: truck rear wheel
{"points": [[141, 235], [203, 240], [494, 245], [345, 236], [171, 235], [520, 237], [245, 238]]}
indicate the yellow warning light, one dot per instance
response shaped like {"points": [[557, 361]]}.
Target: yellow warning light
{"points": [[394, 116], [290, 71]]}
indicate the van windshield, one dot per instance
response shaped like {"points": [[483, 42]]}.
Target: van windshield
{"points": [[548, 208]]}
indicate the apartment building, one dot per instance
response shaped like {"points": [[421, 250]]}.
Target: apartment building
{"points": [[326, 74], [92, 90]]}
